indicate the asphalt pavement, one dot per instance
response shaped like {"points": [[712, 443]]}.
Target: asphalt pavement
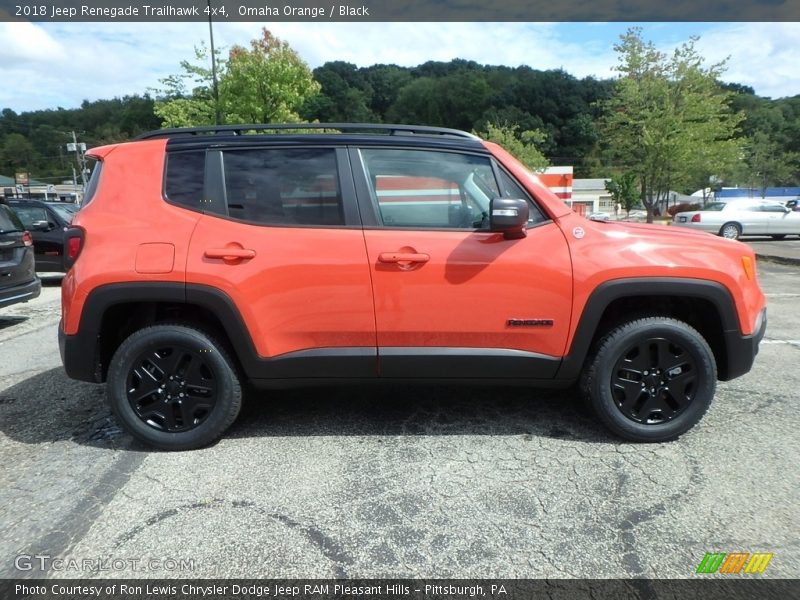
{"points": [[395, 482]]}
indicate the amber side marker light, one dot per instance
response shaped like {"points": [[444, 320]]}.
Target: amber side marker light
{"points": [[749, 267]]}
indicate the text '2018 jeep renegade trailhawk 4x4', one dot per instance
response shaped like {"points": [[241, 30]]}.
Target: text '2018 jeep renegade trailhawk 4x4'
{"points": [[207, 257]]}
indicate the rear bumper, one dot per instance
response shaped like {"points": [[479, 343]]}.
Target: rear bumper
{"points": [[78, 355], [20, 293], [742, 349]]}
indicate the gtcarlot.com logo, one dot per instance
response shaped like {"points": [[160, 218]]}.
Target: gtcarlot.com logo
{"points": [[735, 562], [45, 562]]}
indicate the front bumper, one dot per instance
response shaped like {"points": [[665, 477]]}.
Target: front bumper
{"points": [[742, 349], [20, 293]]}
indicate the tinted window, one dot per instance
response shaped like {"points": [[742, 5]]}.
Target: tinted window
{"points": [[419, 188], [8, 220], [283, 186], [94, 181], [29, 214], [65, 211], [777, 208], [184, 178]]}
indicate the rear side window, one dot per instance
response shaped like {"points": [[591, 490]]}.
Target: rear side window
{"points": [[94, 181], [283, 186], [184, 178], [8, 220]]}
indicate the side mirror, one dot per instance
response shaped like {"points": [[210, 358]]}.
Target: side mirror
{"points": [[42, 226], [509, 216]]}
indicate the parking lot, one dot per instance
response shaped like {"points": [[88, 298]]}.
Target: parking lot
{"points": [[397, 482]]}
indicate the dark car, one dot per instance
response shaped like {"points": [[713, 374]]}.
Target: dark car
{"points": [[47, 222], [18, 281]]}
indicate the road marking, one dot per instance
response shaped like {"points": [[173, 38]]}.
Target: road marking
{"points": [[782, 295], [791, 342]]}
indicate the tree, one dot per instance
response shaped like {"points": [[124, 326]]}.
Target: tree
{"points": [[187, 99], [520, 144], [668, 117], [623, 191], [266, 84]]}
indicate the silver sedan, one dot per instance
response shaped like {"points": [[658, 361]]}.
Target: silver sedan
{"points": [[742, 217]]}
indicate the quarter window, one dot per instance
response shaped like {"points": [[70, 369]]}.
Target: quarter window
{"points": [[283, 186], [184, 178]]}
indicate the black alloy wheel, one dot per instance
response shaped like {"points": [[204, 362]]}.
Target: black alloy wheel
{"points": [[650, 379], [173, 386], [654, 381]]}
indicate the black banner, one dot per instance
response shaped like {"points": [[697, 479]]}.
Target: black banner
{"points": [[396, 10], [727, 588]]}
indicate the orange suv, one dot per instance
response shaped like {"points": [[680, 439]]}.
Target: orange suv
{"points": [[205, 258]]}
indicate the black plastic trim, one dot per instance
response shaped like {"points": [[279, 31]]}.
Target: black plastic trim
{"points": [[658, 287], [465, 363]]}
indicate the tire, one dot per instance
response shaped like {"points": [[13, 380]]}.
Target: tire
{"points": [[663, 404], [730, 231], [778, 236], [153, 408]]}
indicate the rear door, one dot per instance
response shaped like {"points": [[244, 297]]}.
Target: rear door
{"points": [[781, 221], [282, 238], [452, 299]]}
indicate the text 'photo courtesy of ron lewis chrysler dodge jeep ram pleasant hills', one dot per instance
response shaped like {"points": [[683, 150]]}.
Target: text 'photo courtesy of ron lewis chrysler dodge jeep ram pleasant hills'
{"points": [[205, 261]]}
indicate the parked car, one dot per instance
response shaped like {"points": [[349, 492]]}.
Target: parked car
{"points": [[47, 222], [18, 281], [207, 257], [736, 218], [599, 216]]}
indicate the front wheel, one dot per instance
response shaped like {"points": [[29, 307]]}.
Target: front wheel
{"points": [[173, 387], [731, 231], [651, 380]]}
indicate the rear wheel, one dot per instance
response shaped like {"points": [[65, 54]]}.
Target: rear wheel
{"points": [[651, 380], [173, 387], [731, 231]]}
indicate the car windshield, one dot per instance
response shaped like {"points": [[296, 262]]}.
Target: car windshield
{"points": [[715, 206], [65, 211]]}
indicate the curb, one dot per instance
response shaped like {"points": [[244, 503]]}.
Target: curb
{"points": [[781, 260]]}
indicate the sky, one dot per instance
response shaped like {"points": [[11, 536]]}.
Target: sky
{"points": [[51, 65]]}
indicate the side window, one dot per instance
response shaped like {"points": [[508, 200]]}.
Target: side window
{"points": [[30, 214], [283, 186], [185, 173], [774, 208], [511, 189], [419, 188]]}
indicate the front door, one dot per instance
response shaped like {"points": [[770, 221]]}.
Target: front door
{"points": [[452, 299]]}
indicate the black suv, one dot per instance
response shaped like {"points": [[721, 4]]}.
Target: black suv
{"points": [[18, 281], [47, 222]]}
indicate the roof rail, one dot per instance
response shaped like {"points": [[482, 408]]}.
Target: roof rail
{"points": [[392, 129]]}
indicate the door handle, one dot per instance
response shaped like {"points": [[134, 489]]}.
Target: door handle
{"points": [[403, 257], [230, 253]]}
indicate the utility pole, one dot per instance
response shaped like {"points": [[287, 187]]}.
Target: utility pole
{"points": [[217, 116], [79, 150]]}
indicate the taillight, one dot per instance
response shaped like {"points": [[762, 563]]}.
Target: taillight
{"points": [[27, 239], [73, 244], [696, 218]]}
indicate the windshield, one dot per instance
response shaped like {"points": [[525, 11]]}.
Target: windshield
{"points": [[65, 211]]}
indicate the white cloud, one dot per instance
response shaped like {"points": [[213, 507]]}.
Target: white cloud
{"points": [[60, 64]]}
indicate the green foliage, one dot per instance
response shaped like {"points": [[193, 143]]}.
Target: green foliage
{"points": [[624, 192], [187, 99], [269, 83], [668, 120], [521, 144]]}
